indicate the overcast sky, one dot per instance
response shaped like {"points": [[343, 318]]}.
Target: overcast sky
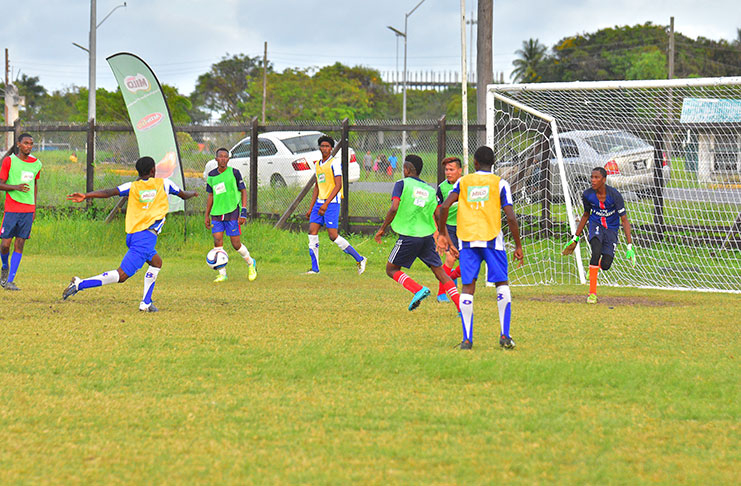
{"points": [[181, 39]]}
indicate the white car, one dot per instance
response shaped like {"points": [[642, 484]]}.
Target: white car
{"points": [[283, 159]]}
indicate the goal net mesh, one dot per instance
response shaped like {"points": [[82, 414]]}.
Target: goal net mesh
{"points": [[672, 148]]}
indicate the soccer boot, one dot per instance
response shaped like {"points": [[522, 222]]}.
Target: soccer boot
{"points": [[11, 286], [443, 298], [312, 272], [252, 271], [221, 278], [361, 265], [71, 288], [147, 308], [592, 299], [506, 342], [422, 294], [466, 344], [4, 276]]}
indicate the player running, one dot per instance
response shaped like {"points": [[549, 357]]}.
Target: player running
{"points": [[412, 217], [481, 198], [604, 208], [325, 206], [145, 217], [453, 172], [19, 176], [224, 185]]}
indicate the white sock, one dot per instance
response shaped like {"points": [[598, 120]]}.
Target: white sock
{"points": [[149, 279], [222, 271], [314, 250], [245, 254], [467, 316], [504, 301], [341, 242], [104, 278]]}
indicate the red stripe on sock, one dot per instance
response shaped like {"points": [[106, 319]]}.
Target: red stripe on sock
{"points": [[407, 282], [452, 291]]}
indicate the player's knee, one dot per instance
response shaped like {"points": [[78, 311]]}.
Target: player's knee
{"points": [[122, 277], [595, 260], [606, 262]]}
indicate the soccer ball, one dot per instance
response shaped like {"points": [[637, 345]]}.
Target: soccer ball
{"points": [[217, 259]]}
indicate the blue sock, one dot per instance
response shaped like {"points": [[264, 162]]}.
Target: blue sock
{"points": [[4, 258], [351, 251], [15, 261]]}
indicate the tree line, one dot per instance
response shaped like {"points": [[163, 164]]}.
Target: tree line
{"points": [[231, 91]]}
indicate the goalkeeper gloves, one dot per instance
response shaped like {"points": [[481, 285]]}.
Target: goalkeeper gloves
{"points": [[630, 254], [574, 239]]}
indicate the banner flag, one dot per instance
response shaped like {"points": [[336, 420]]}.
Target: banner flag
{"points": [[150, 117]]}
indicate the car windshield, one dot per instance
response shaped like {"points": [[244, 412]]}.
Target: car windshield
{"points": [[302, 143], [609, 143]]}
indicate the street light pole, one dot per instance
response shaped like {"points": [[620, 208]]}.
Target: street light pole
{"points": [[91, 62], [404, 94]]}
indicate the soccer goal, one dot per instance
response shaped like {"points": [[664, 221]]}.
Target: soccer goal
{"points": [[672, 148]]}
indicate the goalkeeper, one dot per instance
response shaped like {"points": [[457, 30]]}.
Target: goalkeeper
{"points": [[603, 209]]}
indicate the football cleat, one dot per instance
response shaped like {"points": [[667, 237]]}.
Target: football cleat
{"points": [[422, 294], [10, 286], [491, 284], [147, 308], [4, 276], [443, 298], [221, 278], [252, 271], [592, 299], [506, 342], [71, 288], [312, 272], [361, 265], [466, 344]]}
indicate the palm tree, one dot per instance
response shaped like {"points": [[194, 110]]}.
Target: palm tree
{"points": [[526, 66]]}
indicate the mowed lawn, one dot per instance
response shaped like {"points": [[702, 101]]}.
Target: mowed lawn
{"points": [[328, 379]]}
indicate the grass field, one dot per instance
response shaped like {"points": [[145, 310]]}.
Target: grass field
{"points": [[328, 379]]}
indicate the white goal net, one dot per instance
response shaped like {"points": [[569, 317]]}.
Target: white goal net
{"points": [[672, 148]]}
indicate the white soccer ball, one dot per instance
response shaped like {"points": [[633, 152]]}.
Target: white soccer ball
{"points": [[217, 259]]}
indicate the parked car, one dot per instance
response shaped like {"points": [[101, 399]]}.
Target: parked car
{"points": [[627, 159], [283, 158]]}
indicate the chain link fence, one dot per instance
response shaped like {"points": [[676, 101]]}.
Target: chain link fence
{"points": [[375, 161]]}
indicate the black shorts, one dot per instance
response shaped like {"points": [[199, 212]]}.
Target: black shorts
{"points": [[608, 238], [409, 248], [453, 233]]}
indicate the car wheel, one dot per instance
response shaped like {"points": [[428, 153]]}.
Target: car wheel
{"points": [[277, 181]]}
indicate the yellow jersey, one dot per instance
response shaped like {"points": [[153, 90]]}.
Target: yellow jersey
{"points": [[479, 207], [147, 202]]}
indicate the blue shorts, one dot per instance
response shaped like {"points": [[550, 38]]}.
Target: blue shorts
{"points": [[141, 250], [608, 237], [16, 225], [409, 248], [231, 228], [470, 261], [453, 233], [331, 218]]}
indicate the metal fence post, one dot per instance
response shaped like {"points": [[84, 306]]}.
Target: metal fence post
{"points": [[345, 204], [441, 145], [90, 172], [253, 168]]}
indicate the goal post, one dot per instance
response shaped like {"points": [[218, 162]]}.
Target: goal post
{"points": [[671, 147]]}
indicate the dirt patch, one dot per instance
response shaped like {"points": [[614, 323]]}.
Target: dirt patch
{"points": [[604, 300]]}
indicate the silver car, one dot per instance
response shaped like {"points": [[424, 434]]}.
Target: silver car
{"points": [[627, 159]]}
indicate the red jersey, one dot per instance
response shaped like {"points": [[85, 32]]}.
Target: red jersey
{"points": [[12, 206]]}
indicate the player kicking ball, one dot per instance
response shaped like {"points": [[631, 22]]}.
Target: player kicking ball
{"points": [[481, 197], [412, 217], [604, 208], [225, 188], [145, 217]]}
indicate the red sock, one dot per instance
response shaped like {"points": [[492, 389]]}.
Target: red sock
{"points": [[593, 271], [440, 288], [452, 291], [407, 282], [456, 273]]}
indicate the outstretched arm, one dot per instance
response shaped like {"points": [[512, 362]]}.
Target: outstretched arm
{"points": [[101, 194], [184, 195]]}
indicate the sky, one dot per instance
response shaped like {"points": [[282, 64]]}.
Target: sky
{"points": [[181, 39]]}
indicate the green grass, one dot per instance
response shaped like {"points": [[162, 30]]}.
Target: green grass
{"points": [[328, 379]]}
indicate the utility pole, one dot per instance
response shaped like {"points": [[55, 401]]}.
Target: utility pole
{"points": [[484, 59], [264, 80], [471, 22], [671, 47]]}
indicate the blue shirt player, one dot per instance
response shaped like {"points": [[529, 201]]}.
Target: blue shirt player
{"points": [[604, 210]]}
